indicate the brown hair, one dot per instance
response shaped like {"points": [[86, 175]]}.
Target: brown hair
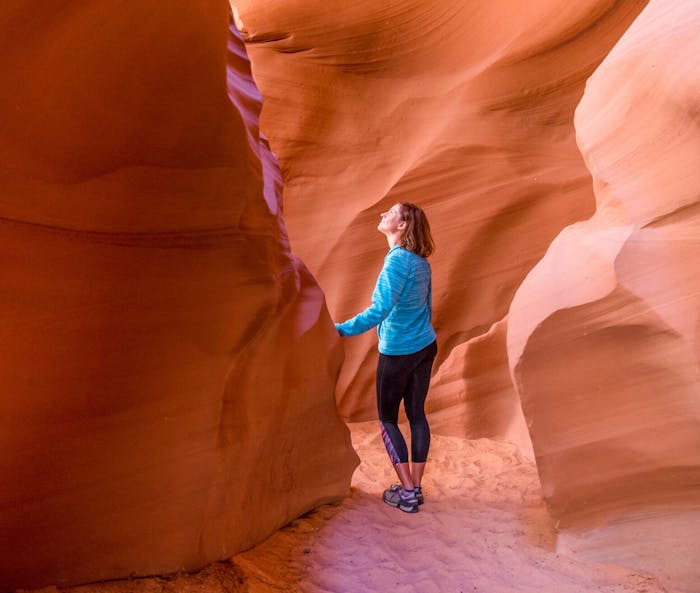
{"points": [[417, 237]]}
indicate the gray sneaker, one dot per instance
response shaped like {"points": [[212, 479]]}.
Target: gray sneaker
{"points": [[400, 498], [419, 494]]}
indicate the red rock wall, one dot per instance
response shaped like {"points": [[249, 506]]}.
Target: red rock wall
{"points": [[469, 110], [162, 345], [465, 108], [604, 334], [167, 364]]}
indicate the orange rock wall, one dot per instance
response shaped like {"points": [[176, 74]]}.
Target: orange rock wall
{"points": [[464, 108], [587, 359], [167, 364], [162, 345], [604, 334]]}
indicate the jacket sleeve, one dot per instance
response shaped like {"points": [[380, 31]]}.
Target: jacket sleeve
{"points": [[390, 284]]}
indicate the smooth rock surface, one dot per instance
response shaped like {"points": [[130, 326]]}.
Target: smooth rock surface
{"points": [[469, 110], [167, 364], [604, 334], [464, 108]]}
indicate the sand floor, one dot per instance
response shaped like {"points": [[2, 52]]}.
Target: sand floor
{"points": [[483, 529]]}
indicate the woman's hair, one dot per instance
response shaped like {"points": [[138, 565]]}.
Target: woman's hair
{"points": [[417, 237]]}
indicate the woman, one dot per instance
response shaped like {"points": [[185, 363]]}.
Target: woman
{"points": [[402, 308]]}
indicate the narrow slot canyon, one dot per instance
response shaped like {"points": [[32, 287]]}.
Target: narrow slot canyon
{"points": [[190, 200]]}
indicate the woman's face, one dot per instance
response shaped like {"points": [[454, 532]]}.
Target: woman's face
{"points": [[391, 222]]}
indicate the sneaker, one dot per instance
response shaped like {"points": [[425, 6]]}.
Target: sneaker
{"points": [[397, 497], [419, 494]]}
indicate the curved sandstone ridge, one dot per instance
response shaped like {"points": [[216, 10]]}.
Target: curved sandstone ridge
{"points": [[604, 334], [465, 108], [468, 109], [167, 365]]}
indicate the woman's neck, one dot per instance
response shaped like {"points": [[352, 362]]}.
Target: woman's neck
{"points": [[394, 239]]}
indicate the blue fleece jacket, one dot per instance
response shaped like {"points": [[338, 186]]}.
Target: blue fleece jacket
{"points": [[401, 305]]}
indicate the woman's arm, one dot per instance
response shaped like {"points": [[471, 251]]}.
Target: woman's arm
{"points": [[390, 284]]}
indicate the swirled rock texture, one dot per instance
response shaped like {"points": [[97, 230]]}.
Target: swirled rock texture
{"points": [[468, 109], [465, 108], [167, 364], [604, 334]]}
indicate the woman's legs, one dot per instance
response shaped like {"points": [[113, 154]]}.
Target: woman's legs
{"points": [[414, 404], [391, 382], [405, 377], [417, 470]]}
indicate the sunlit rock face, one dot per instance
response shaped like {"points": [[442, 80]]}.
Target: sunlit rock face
{"points": [[604, 334], [167, 365], [465, 108], [468, 109]]}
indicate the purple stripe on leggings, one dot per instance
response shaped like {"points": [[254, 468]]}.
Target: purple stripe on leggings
{"points": [[393, 455]]}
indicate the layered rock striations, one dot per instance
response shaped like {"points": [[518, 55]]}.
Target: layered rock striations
{"points": [[464, 108], [590, 356], [604, 334], [167, 364]]}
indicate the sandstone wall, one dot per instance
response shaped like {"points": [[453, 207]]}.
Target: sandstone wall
{"points": [[604, 334], [167, 364], [465, 108], [468, 109], [162, 344]]}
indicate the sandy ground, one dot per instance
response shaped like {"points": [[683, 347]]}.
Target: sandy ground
{"points": [[483, 529]]}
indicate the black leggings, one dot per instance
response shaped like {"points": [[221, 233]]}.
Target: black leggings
{"points": [[407, 377]]}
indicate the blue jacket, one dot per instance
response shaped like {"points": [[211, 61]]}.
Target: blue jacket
{"points": [[401, 305]]}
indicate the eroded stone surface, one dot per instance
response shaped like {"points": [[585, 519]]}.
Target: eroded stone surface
{"points": [[470, 112], [167, 364], [603, 334], [466, 109], [162, 343]]}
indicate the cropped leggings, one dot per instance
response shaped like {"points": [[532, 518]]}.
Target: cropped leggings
{"points": [[407, 377]]}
